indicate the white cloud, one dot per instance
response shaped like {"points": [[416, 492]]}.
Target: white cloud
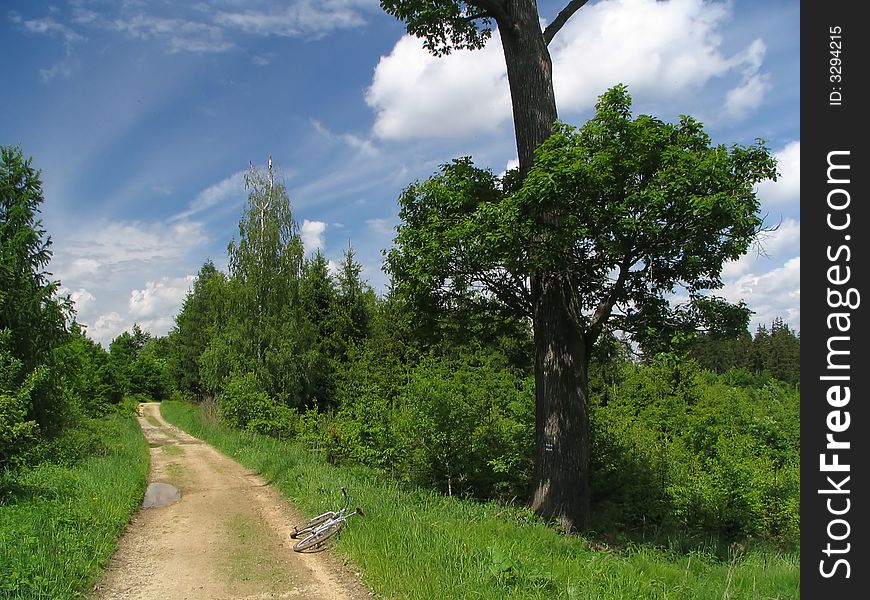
{"points": [[661, 50], [51, 27], [787, 188], [418, 95], [770, 295], [106, 328], [159, 298], [107, 249], [380, 227], [354, 142], [177, 34], [303, 17], [83, 300], [747, 96], [777, 245], [312, 235], [229, 189]]}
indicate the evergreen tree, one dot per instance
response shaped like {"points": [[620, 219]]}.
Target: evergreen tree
{"points": [[29, 307], [32, 317], [194, 326]]}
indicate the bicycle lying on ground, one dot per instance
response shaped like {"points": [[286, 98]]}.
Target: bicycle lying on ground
{"points": [[322, 527]]}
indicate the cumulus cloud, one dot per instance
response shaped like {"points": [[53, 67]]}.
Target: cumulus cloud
{"points": [[772, 294], [82, 299], [418, 95], [661, 50], [131, 267], [106, 328], [118, 245], [161, 297], [787, 188], [778, 245], [312, 233]]}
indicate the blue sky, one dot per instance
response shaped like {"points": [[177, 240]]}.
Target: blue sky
{"points": [[143, 117]]}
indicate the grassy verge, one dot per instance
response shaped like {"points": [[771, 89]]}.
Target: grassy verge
{"points": [[60, 524], [418, 545]]}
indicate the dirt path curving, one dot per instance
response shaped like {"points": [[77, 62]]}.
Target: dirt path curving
{"points": [[225, 538]]}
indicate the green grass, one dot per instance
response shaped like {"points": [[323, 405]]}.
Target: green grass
{"points": [[59, 525], [416, 544]]}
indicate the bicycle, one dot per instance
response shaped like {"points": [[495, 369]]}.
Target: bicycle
{"points": [[322, 527]]}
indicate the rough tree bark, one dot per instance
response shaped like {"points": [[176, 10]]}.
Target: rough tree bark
{"points": [[561, 478]]}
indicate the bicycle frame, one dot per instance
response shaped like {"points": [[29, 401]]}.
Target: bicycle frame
{"points": [[325, 525]]}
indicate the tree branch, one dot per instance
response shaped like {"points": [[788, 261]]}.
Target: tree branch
{"points": [[602, 313], [476, 16], [496, 9], [566, 13]]}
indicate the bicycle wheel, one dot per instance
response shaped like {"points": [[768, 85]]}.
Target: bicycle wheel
{"points": [[310, 525], [318, 536]]}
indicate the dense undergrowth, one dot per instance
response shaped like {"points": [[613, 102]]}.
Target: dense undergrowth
{"points": [[60, 519], [416, 543]]}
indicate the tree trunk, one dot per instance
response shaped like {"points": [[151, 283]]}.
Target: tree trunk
{"points": [[561, 477], [530, 76]]}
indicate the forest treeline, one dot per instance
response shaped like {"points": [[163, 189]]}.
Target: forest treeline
{"points": [[703, 439]]}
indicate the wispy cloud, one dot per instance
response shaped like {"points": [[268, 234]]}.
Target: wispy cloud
{"points": [[177, 34], [213, 26], [51, 27], [304, 17], [230, 188]]}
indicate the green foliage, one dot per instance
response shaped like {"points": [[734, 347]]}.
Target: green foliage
{"points": [[628, 208], [773, 352], [680, 449], [59, 523], [443, 26], [452, 548], [88, 374], [18, 430], [193, 328], [32, 318], [140, 363], [29, 308], [467, 426], [244, 401]]}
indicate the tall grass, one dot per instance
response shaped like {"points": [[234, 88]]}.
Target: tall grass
{"points": [[416, 544], [59, 524]]}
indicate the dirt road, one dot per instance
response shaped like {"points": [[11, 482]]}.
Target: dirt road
{"points": [[226, 537]]}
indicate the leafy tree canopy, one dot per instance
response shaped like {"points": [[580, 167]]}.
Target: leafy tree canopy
{"points": [[628, 211]]}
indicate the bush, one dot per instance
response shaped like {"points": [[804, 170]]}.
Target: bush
{"points": [[466, 425], [244, 401], [681, 449]]}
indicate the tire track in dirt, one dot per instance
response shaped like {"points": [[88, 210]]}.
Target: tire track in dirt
{"points": [[227, 537]]}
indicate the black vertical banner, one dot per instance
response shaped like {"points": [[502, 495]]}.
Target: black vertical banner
{"points": [[835, 299]]}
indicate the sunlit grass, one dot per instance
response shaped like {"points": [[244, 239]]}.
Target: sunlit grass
{"points": [[417, 544], [59, 525]]}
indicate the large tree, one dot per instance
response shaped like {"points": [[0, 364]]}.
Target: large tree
{"points": [[32, 315], [623, 224], [445, 25], [29, 304]]}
